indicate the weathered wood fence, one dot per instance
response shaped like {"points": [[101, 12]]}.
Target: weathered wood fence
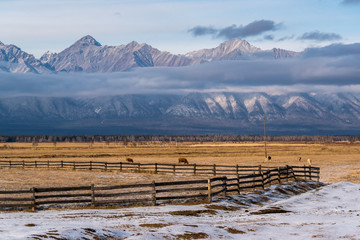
{"points": [[152, 193], [193, 169]]}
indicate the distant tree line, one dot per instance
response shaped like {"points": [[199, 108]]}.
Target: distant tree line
{"points": [[125, 139]]}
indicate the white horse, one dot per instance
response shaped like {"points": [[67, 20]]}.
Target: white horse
{"points": [[309, 161]]}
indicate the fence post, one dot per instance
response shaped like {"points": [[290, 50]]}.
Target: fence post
{"points": [[48, 164], [238, 183], [318, 175], [105, 166], [194, 168], [33, 199], [287, 172], [74, 166], [90, 168], [214, 170], [156, 168], [92, 195], [139, 165], [310, 172], [279, 175], [305, 171], [10, 163], [225, 186], [237, 170], [268, 176], [154, 193], [62, 164], [35, 164], [254, 179], [209, 191], [293, 173], [262, 177], [174, 168], [23, 164]]}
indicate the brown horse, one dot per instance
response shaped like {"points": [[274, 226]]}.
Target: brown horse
{"points": [[129, 160], [183, 160]]}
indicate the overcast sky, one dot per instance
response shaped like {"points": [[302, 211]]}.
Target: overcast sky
{"points": [[178, 26], [328, 29]]}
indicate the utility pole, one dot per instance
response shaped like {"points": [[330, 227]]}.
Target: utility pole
{"points": [[265, 136]]}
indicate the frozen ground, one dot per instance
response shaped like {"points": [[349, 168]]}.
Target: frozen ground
{"points": [[290, 211]]}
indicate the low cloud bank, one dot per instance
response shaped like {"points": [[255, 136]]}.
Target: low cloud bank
{"points": [[335, 68]]}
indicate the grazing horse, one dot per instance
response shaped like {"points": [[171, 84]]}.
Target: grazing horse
{"points": [[183, 160], [309, 162], [269, 158], [129, 160]]}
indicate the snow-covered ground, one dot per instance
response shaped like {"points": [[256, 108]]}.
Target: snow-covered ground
{"points": [[290, 211]]}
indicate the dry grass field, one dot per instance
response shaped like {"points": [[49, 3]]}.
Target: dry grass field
{"points": [[338, 161]]}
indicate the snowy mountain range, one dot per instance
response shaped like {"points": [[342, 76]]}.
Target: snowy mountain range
{"points": [[195, 113], [88, 55]]}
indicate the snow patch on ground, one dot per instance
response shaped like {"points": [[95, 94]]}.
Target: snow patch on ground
{"points": [[291, 211]]}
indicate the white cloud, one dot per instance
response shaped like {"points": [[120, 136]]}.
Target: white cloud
{"points": [[340, 72]]}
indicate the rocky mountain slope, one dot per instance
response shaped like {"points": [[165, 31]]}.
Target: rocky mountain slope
{"points": [[13, 59], [88, 55], [238, 49], [195, 113]]}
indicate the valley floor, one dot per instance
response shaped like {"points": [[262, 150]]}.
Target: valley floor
{"points": [[287, 212]]}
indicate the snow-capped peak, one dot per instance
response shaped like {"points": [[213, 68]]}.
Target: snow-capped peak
{"points": [[239, 44], [226, 50], [46, 57], [133, 44], [88, 40]]}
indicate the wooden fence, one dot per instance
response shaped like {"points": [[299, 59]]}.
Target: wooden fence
{"points": [[152, 193], [193, 169]]}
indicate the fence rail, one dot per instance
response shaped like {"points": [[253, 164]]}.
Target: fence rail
{"points": [[194, 169], [152, 193]]}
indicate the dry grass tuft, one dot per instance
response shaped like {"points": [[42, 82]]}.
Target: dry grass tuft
{"points": [[30, 225], [154, 225], [220, 207], [195, 213], [270, 210], [190, 225], [192, 235], [235, 231]]}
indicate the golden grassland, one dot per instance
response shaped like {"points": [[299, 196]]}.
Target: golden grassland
{"points": [[338, 161]]}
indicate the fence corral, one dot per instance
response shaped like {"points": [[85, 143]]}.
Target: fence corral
{"points": [[193, 169], [155, 192]]}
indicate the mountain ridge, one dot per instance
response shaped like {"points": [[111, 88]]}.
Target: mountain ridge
{"points": [[88, 55], [194, 113]]}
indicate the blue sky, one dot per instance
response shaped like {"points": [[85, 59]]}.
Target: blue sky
{"points": [[40, 25]]}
